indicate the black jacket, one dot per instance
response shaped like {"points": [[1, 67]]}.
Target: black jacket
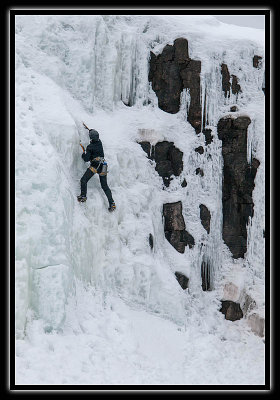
{"points": [[93, 150]]}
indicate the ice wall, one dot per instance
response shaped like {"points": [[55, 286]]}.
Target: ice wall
{"points": [[95, 68], [98, 59]]}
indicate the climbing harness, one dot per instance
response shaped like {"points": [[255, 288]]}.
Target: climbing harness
{"points": [[104, 169]]}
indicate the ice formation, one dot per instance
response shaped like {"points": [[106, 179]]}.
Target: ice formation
{"points": [[94, 303]]}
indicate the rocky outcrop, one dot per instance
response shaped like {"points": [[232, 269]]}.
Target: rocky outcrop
{"points": [[238, 182], [199, 150], [256, 323], [257, 61], [171, 72], [235, 294], [199, 171], [184, 183], [235, 87], [182, 279], [229, 82], [231, 310], [205, 217], [208, 136], [247, 303], [168, 158], [175, 228], [225, 80]]}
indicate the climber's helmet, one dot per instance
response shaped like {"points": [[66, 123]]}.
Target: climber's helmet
{"points": [[93, 135]]}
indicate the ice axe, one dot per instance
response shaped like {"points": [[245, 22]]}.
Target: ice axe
{"points": [[80, 140], [86, 126], [82, 146]]}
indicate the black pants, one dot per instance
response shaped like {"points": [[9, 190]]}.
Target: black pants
{"points": [[103, 181]]}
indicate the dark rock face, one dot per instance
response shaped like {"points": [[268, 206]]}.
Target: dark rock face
{"points": [[231, 310], [205, 217], [208, 136], [256, 61], [205, 275], [182, 279], [146, 146], [184, 183], [199, 150], [164, 169], [226, 84], [174, 227], [171, 72], [233, 108], [235, 87], [169, 159], [225, 80], [151, 241], [187, 238], [176, 158], [174, 220], [174, 238], [199, 171], [238, 183]]}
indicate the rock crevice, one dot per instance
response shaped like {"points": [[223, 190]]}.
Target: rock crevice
{"points": [[205, 275]]}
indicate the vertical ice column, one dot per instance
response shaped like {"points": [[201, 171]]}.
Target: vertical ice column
{"points": [[185, 102], [211, 91], [120, 69], [203, 102], [255, 256]]}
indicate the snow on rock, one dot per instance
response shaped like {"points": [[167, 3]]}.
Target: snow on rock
{"points": [[94, 303], [256, 322]]}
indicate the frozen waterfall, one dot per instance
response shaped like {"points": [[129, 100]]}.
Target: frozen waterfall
{"points": [[95, 304]]}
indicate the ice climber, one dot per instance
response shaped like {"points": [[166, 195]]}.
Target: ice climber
{"points": [[95, 154]]}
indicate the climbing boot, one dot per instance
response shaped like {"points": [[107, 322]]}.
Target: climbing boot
{"points": [[81, 199], [112, 206]]}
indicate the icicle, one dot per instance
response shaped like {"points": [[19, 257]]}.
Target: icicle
{"points": [[188, 100], [185, 104], [202, 101], [250, 132]]}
